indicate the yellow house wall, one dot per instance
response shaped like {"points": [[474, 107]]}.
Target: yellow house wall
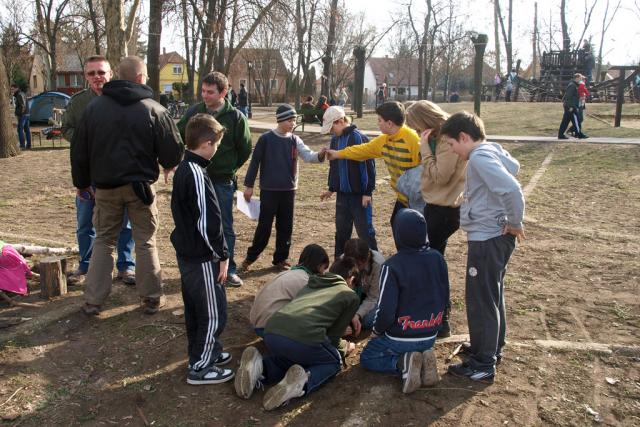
{"points": [[167, 77]]}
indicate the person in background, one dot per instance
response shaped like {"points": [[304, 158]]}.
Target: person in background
{"points": [[22, 114], [243, 100]]}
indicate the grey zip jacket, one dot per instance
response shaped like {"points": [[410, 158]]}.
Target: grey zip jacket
{"points": [[492, 195]]}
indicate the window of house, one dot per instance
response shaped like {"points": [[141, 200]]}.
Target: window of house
{"points": [[258, 84], [76, 80], [177, 69], [402, 90], [168, 88], [60, 81], [274, 84]]}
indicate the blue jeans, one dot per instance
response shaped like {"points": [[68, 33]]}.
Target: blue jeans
{"points": [[382, 353], [350, 213], [321, 361], [367, 320], [244, 110], [225, 193], [24, 131], [86, 235]]}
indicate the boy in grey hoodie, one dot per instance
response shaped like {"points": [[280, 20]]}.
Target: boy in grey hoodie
{"points": [[491, 214]]}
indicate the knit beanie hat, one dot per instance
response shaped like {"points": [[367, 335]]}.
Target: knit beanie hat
{"points": [[285, 112]]}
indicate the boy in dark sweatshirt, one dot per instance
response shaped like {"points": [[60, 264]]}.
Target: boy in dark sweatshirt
{"points": [[202, 253], [352, 181], [276, 156], [492, 193], [414, 290], [303, 339]]}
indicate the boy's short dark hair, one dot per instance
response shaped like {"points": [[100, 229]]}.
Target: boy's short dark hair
{"points": [[201, 128], [465, 122], [357, 249], [345, 267], [217, 79], [313, 257], [392, 111]]}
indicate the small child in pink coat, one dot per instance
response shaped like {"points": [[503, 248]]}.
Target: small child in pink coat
{"points": [[13, 270]]}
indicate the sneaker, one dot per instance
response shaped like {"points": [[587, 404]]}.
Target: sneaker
{"points": [[582, 136], [210, 375], [223, 359], [411, 367], [244, 267], [128, 277], [152, 305], [563, 137], [445, 331], [291, 386], [90, 309], [282, 265], [465, 370], [466, 350], [429, 374], [76, 277], [233, 281], [249, 372]]}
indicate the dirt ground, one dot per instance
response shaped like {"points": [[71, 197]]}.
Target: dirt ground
{"points": [[575, 278]]}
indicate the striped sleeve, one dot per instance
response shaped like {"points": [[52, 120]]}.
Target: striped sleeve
{"points": [[209, 221], [387, 301]]}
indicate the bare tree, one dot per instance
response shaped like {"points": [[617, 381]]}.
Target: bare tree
{"points": [[534, 41], [588, 11], [8, 138], [507, 33], [50, 18], [605, 27], [153, 54], [118, 31], [496, 33], [566, 39], [330, 49]]}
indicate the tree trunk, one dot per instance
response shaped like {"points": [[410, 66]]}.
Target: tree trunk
{"points": [[188, 93], [566, 40], [153, 52], [222, 27], [96, 28], [327, 61], [496, 9], [115, 29], [53, 281], [534, 63], [479, 43], [8, 137]]}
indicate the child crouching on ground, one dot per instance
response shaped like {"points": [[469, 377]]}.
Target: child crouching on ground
{"points": [[286, 285], [493, 194], [414, 290], [276, 156], [201, 252], [303, 339]]}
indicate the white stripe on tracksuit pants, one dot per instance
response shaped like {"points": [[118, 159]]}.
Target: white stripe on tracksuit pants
{"points": [[205, 311]]}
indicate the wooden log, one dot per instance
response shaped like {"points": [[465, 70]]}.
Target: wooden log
{"points": [[53, 281], [26, 249]]}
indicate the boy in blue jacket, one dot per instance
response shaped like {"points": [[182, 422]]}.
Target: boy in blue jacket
{"points": [[202, 253], [353, 181], [414, 290], [493, 194]]}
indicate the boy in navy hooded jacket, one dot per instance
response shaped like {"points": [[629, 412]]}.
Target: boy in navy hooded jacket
{"points": [[414, 289]]}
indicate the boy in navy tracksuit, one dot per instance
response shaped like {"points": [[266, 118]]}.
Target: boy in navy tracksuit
{"points": [[353, 181], [276, 157], [201, 252], [414, 290]]}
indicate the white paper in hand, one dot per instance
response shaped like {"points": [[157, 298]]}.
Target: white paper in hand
{"points": [[250, 209]]}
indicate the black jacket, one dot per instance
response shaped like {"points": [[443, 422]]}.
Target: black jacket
{"points": [[414, 284], [243, 98], [571, 98], [198, 235], [21, 103], [121, 138], [350, 176]]}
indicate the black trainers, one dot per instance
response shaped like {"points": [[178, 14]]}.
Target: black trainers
{"points": [[464, 370], [223, 359], [411, 370], [563, 137], [249, 372], [582, 136], [291, 386], [466, 350], [210, 375]]}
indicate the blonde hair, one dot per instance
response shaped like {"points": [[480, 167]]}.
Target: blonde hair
{"points": [[425, 114], [130, 67]]}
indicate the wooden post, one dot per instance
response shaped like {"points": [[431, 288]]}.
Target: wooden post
{"points": [[517, 91], [358, 84], [620, 98], [53, 280], [479, 43]]}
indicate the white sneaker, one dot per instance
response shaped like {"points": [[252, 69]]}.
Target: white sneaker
{"points": [[430, 375], [291, 386], [249, 372], [411, 367]]}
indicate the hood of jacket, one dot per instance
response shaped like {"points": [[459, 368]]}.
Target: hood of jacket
{"points": [[326, 280], [492, 148], [410, 230], [125, 92]]}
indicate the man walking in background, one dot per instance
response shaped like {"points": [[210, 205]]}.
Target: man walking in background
{"points": [[22, 114]]}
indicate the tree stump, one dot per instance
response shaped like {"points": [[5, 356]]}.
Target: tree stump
{"points": [[53, 280]]}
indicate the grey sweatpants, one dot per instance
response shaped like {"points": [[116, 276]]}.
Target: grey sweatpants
{"points": [[484, 295]]}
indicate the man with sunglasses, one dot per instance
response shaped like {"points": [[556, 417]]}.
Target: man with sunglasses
{"points": [[97, 72]]}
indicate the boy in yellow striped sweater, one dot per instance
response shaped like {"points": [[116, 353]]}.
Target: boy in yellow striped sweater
{"points": [[398, 145]]}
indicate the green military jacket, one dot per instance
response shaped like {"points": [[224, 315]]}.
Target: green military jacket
{"points": [[75, 109]]}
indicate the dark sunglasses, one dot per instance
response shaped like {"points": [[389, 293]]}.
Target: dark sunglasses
{"points": [[93, 73]]}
